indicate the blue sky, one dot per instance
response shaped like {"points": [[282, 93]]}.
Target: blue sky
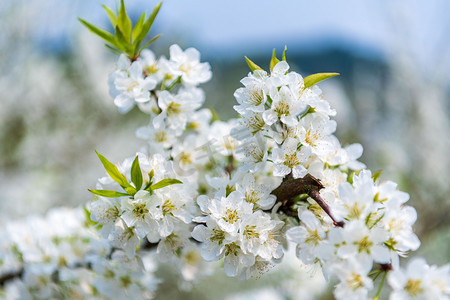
{"points": [[239, 27]]}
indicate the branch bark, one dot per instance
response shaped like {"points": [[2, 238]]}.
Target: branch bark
{"points": [[292, 187]]}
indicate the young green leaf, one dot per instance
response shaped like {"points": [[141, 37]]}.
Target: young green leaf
{"points": [[111, 15], [164, 183], [130, 190], [377, 175], [109, 194], [173, 84], [100, 32], [113, 49], [124, 22], [252, 65], [274, 60], [148, 43], [87, 215], [121, 41], [284, 54], [316, 78], [138, 26], [113, 171], [147, 25], [215, 115], [136, 174]]}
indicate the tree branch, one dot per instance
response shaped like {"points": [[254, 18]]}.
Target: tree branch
{"points": [[292, 187]]}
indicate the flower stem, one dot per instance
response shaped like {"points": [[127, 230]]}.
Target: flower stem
{"points": [[380, 288]]}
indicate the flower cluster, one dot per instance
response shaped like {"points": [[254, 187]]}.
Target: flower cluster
{"points": [[239, 191], [289, 125], [60, 256], [136, 82], [237, 228]]}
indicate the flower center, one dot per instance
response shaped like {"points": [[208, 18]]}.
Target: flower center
{"points": [[132, 85], [282, 108], [173, 108], [140, 210], [364, 245], [291, 160], [232, 248], [167, 207], [160, 136], [313, 237], [217, 236], [231, 216], [255, 96], [152, 69], [185, 158], [413, 287], [192, 258], [355, 281], [250, 232]]}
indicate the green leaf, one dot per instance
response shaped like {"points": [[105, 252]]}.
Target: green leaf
{"points": [[164, 183], [136, 174], [124, 22], [113, 49], [130, 190], [109, 194], [138, 26], [284, 54], [87, 215], [148, 43], [121, 41], [113, 171], [111, 15], [377, 175], [215, 115], [173, 84], [252, 65], [100, 32], [274, 60], [316, 78], [147, 25]]}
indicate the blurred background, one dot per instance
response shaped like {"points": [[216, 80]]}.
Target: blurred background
{"points": [[393, 95]]}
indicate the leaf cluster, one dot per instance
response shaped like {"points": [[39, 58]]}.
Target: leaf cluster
{"points": [[127, 38], [136, 179]]}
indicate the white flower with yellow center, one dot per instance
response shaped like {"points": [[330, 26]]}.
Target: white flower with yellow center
{"points": [[150, 65], [356, 202], [132, 87], [420, 281], [125, 238], [354, 282], [313, 131], [256, 194], [213, 239], [187, 65], [364, 244], [136, 213], [285, 107], [308, 236], [229, 211], [176, 108], [253, 96], [169, 207], [106, 212], [291, 158], [254, 231]]}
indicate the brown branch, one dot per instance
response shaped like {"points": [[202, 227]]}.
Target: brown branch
{"points": [[316, 196], [292, 187], [9, 276]]}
